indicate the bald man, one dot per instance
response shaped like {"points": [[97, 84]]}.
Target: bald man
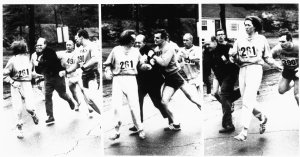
{"points": [[190, 60], [149, 81], [69, 58], [48, 64]]}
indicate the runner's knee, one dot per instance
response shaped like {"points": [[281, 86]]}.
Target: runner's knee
{"points": [[165, 102]]}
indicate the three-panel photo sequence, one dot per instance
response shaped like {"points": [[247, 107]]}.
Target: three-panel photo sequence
{"points": [[202, 79]]}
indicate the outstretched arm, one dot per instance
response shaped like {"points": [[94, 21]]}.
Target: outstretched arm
{"points": [[267, 56], [7, 71]]}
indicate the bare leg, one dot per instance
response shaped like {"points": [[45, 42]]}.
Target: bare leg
{"points": [[284, 85], [296, 90], [167, 94], [191, 93], [74, 92]]}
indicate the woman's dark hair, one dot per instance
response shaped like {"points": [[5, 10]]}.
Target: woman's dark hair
{"points": [[256, 21], [126, 37], [19, 47]]}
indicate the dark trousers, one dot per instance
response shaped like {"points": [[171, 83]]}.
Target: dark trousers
{"points": [[206, 80], [227, 96], [55, 83], [153, 89]]}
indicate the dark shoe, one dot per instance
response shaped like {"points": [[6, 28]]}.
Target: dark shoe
{"points": [[77, 108], [90, 114], [91, 110], [199, 107], [72, 105], [262, 126], [19, 131], [227, 129], [134, 129], [35, 119], [50, 120]]}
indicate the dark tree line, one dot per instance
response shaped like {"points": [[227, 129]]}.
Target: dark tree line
{"points": [[26, 20], [148, 17], [279, 17]]}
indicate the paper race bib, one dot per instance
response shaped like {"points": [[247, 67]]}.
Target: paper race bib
{"points": [[290, 62]]}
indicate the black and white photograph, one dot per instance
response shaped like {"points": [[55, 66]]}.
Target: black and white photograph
{"points": [[52, 101], [151, 79], [250, 75]]}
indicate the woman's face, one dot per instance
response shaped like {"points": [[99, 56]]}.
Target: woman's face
{"points": [[250, 29]]}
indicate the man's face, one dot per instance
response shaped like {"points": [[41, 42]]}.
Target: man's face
{"points": [[187, 41], [157, 39], [69, 46], [221, 36], [40, 45], [78, 40], [212, 45], [249, 27], [284, 43], [139, 42]]}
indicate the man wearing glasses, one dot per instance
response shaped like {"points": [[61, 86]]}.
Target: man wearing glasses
{"points": [[226, 74]]}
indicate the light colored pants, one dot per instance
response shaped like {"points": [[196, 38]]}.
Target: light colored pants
{"points": [[26, 92], [126, 85], [249, 81]]}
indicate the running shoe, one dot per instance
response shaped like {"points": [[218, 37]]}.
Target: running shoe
{"points": [[173, 127], [134, 129], [199, 107], [90, 114], [115, 136], [19, 131], [241, 137], [142, 134], [50, 120], [262, 125], [76, 108], [72, 105], [35, 119]]}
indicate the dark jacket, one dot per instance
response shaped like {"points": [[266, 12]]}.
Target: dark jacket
{"points": [[148, 77], [49, 63], [220, 63]]}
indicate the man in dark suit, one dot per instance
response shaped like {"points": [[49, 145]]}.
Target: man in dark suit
{"points": [[49, 65]]}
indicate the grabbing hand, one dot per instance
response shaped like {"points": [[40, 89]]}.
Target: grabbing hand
{"points": [[16, 84], [144, 58], [108, 74], [151, 54], [147, 67], [152, 61], [280, 68], [231, 59], [62, 73]]}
